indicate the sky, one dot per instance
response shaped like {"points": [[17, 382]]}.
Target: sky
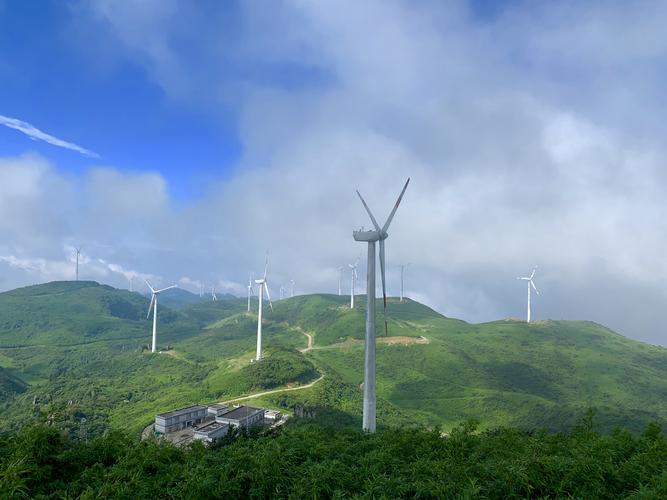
{"points": [[182, 141]]}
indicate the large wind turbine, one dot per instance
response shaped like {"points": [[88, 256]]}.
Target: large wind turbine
{"points": [[353, 273], [530, 283], [263, 286], [153, 305], [249, 291], [379, 234]]}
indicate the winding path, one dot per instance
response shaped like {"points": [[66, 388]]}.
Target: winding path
{"points": [[274, 391]]}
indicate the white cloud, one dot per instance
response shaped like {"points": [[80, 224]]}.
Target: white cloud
{"points": [[37, 135], [520, 153]]}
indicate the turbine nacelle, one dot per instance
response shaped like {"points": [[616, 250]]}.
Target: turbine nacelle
{"points": [[369, 235]]}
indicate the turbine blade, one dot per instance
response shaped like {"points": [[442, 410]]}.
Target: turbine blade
{"points": [[268, 295], [384, 287], [533, 273], [150, 306], [266, 267], [149, 285], [398, 202], [167, 288], [534, 288], [375, 223]]}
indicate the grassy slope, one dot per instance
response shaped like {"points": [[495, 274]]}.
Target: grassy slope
{"points": [[78, 346]]}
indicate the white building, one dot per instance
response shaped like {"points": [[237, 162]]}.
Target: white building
{"points": [[242, 416], [176, 420], [211, 431], [217, 409]]}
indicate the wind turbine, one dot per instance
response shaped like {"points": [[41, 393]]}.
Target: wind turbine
{"points": [[379, 234], [353, 272], [282, 292], [213, 295], [530, 283], [263, 286], [291, 293], [340, 280], [78, 252], [153, 305], [131, 278], [249, 291], [403, 266]]}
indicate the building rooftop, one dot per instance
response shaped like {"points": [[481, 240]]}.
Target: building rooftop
{"points": [[182, 411], [240, 412], [218, 406], [210, 427]]}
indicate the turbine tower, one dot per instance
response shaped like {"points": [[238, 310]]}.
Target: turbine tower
{"points": [[291, 292], [263, 286], [213, 295], [282, 292], [530, 283], [379, 234], [78, 252], [249, 291], [131, 278], [153, 305], [340, 280], [353, 269]]}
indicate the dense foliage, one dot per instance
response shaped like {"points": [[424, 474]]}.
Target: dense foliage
{"points": [[308, 461]]}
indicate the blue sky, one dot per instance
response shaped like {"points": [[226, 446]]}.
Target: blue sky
{"points": [[112, 107], [533, 133]]}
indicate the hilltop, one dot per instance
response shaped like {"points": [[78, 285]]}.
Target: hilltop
{"points": [[75, 349]]}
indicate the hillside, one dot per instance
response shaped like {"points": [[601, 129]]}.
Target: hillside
{"points": [[70, 350], [177, 298]]}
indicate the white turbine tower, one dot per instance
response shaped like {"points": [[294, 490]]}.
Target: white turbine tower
{"points": [[213, 295], [530, 283], [353, 277], [249, 291], [153, 305], [340, 280], [263, 286], [291, 292], [282, 292], [379, 234]]}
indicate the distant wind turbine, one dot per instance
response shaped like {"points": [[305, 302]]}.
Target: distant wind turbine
{"points": [[263, 286], [249, 291], [530, 283], [213, 295], [379, 234], [78, 252], [153, 305], [291, 293], [403, 266], [131, 278], [282, 292], [340, 280], [353, 277]]}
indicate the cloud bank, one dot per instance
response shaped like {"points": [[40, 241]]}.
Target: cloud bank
{"points": [[532, 136]]}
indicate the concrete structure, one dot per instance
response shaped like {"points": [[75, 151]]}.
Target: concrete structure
{"points": [[180, 419], [272, 416], [242, 416], [217, 409], [211, 431]]}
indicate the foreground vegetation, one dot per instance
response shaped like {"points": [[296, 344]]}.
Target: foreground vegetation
{"points": [[305, 460]]}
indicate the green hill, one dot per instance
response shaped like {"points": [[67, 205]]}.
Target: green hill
{"points": [[70, 350]]}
